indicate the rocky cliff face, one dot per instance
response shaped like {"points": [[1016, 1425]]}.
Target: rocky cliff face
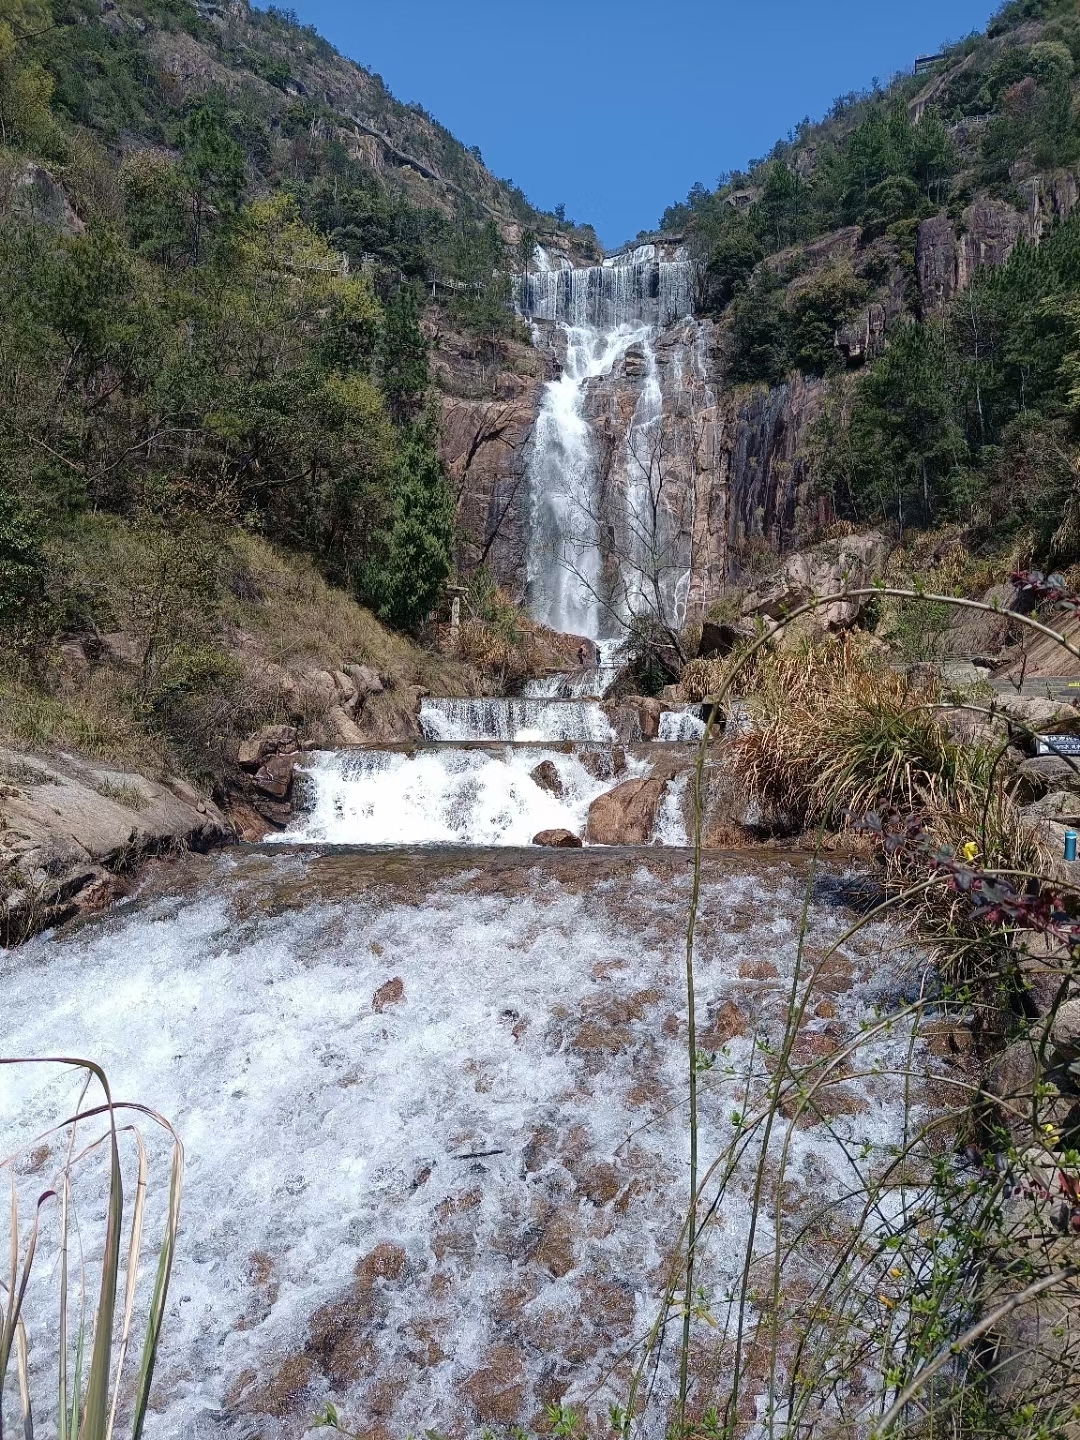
{"points": [[948, 254], [489, 403], [726, 470]]}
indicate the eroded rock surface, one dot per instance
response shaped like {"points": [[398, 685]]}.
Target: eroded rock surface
{"points": [[71, 831]]}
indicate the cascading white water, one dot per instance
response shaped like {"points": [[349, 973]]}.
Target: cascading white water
{"points": [[464, 1129], [632, 289], [681, 725], [445, 796], [590, 683], [522, 720], [670, 823], [565, 560], [643, 518], [603, 310]]}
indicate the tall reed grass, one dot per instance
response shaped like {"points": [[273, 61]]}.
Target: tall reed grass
{"points": [[72, 1305]]}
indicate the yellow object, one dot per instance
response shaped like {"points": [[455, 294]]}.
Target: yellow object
{"points": [[970, 851]]}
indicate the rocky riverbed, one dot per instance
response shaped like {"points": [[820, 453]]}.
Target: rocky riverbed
{"points": [[434, 1107]]}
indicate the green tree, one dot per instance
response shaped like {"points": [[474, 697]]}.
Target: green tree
{"points": [[419, 555], [213, 169], [403, 361], [25, 86], [22, 568], [760, 335], [905, 447], [816, 312]]}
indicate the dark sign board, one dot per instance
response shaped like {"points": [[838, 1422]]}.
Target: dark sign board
{"points": [[1059, 744]]}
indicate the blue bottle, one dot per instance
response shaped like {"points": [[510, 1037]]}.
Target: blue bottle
{"points": [[1070, 844]]}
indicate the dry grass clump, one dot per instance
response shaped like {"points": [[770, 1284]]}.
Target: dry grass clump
{"points": [[292, 616], [195, 635], [841, 737], [731, 674], [841, 733], [98, 717], [499, 640]]}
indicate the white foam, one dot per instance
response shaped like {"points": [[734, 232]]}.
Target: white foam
{"points": [[317, 1128], [670, 823], [443, 796], [517, 719], [681, 725]]}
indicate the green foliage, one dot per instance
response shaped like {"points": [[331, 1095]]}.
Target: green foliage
{"points": [[25, 87], [403, 358], [968, 416], [22, 571], [770, 338], [419, 554], [896, 453], [816, 311], [212, 170], [760, 335]]}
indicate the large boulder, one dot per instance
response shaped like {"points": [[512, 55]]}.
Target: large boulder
{"points": [[270, 740], [1043, 774], [636, 717], [31, 193], [70, 831], [1030, 715], [558, 839], [851, 563], [627, 815], [721, 637]]}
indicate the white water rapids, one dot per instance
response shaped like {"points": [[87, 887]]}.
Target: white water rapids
{"points": [[535, 719], [510, 1130], [451, 796]]}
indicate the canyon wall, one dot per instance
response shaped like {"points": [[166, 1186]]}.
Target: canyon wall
{"points": [[727, 468], [722, 472]]}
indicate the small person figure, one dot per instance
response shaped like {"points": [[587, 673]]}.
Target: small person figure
{"points": [[582, 656]]}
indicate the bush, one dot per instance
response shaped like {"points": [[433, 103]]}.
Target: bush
{"points": [[22, 576]]}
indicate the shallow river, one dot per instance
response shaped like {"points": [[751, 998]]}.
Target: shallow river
{"points": [[434, 1111]]}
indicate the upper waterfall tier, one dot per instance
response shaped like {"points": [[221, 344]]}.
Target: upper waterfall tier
{"points": [[635, 288]]}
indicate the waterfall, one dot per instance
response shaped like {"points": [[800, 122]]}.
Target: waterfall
{"points": [[447, 796], [521, 720], [681, 726], [603, 312], [565, 561], [632, 289]]}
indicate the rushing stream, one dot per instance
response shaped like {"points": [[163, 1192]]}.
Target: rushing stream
{"points": [[451, 1206]]}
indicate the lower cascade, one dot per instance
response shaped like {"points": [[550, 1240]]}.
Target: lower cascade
{"points": [[433, 1136], [445, 795]]}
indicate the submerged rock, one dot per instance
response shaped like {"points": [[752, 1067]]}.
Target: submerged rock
{"points": [[546, 775], [391, 993]]}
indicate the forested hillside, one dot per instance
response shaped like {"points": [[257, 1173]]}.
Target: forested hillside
{"points": [[919, 249], [216, 239]]}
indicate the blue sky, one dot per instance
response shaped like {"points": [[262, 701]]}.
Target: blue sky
{"points": [[616, 107]]}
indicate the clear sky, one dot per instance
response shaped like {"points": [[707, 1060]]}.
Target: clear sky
{"points": [[616, 107]]}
